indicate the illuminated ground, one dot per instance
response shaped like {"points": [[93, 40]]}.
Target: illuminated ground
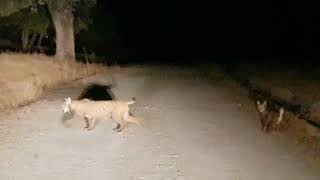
{"points": [[192, 130]]}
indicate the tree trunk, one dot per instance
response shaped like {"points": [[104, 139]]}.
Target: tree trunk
{"points": [[62, 18], [85, 55], [32, 40], [39, 42], [24, 39], [40, 39]]}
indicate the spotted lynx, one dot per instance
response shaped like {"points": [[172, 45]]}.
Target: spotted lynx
{"points": [[92, 110]]}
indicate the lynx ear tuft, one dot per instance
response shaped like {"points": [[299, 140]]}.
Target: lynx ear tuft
{"points": [[264, 103]]}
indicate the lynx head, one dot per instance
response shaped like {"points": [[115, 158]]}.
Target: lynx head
{"points": [[262, 108], [66, 105]]}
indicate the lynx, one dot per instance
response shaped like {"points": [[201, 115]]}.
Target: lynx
{"points": [[266, 119], [92, 110]]}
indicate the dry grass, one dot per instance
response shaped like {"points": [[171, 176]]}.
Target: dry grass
{"points": [[305, 135], [23, 78]]}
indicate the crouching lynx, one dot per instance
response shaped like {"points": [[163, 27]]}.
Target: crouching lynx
{"points": [[91, 110]]}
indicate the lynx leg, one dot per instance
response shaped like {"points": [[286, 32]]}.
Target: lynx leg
{"points": [[116, 116], [124, 121], [86, 117], [117, 127], [265, 129], [267, 126], [121, 127], [90, 122], [125, 116], [262, 123], [93, 121]]}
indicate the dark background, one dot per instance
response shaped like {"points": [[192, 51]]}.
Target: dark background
{"points": [[193, 30], [285, 30]]}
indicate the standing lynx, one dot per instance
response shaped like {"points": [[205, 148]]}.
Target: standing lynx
{"points": [[92, 110], [267, 119]]}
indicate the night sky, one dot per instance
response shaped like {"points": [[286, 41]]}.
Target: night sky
{"points": [[229, 28]]}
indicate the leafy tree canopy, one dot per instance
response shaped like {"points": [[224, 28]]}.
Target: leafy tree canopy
{"points": [[8, 7], [30, 20]]}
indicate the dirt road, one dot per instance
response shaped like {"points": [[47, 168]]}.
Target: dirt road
{"points": [[192, 130]]}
